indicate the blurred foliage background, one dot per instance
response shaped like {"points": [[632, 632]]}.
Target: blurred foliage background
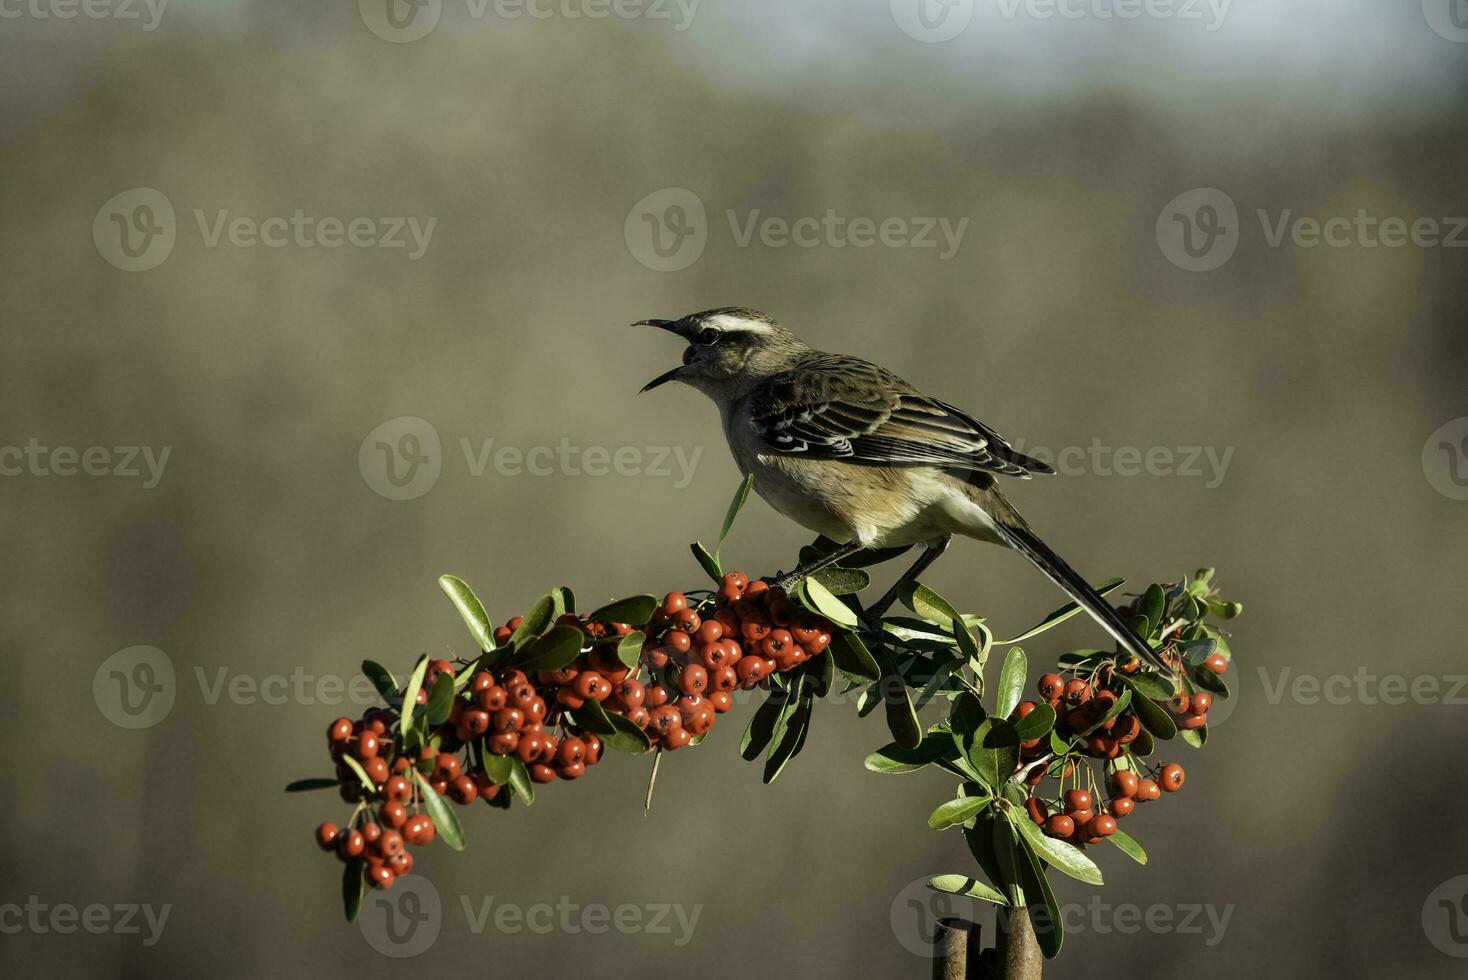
{"points": [[263, 551]]}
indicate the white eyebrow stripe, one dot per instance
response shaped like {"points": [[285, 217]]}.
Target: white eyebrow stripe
{"points": [[729, 323]]}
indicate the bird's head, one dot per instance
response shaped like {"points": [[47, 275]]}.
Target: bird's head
{"points": [[725, 345]]}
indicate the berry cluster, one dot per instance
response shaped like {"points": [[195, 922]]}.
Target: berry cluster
{"points": [[696, 651], [381, 843], [1091, 719]]}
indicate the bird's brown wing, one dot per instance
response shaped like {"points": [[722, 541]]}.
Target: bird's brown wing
{"points": [[844, 408]]}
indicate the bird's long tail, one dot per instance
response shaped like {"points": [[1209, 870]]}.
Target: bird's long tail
{"points": [[1019, 537]]}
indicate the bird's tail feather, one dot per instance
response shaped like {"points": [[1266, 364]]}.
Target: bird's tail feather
{"points": [[1027, 543]]}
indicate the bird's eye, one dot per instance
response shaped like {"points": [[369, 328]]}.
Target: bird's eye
{"points": [[709, 335]]}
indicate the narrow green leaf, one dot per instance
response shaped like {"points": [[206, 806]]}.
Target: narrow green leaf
{"points": [[634, 611], [761, 727], [1058, 854], [902, 719], [616, 732], [969, 887], [410, 696], [852, 657], [1037, 724], [792, 740], [470, 609], [442, 813], [382, 679], [563, 601], [1007, 857], [828, 605], [353, 886], [553, 650], [843, 581], [708, 562], [893, 758], [536, 622], [1049, 931], [1150, 684], [735, 506], [928, 604], [1128, 846], [361, 773], [498, 768], [1155, 718], [306, 785], [629, 649], [520, 781], [1011, 682], [1063, 613], [958, 811], [1153, 605], [440, 700]]}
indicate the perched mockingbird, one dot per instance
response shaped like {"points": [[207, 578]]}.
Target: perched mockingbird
{"points": [[850, 450]]}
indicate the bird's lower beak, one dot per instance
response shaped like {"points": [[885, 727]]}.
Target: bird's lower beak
{"points": [[672, 326], [663, 379]]}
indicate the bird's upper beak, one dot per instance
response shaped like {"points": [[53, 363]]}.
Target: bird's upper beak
{"points": [[672, 326]]}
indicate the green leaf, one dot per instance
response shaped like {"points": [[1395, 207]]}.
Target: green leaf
{"points": [[1211, 682], [761, 727], [1150, 684], [634, 611], [1007, 857], [968, 887], [353, 886], [928, 604], [735, 506], [1011, 682], [1050, 932], [893, 758], [616, 732], [789, 742], [563, 601], [852, 657], [958, 811], [1155, 718], [444, 820], [317, 782], [1036, 724], [1195, 737], [470, 609], [1128, 846], [536, 621], [382, 679], [520, 781], [499, 768], [902, 719], [980, 840], [629, 649], [1153, 605], [552, 651], [1059, 855], [843, 581], [709, 563], [441, 700], [1064, 612], [410, 696], [993, 751], [356, 767], [1199, 650], [828, 605]]}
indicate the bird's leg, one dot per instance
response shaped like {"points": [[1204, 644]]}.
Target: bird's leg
{"points": [[789, 580], [931, 552]]}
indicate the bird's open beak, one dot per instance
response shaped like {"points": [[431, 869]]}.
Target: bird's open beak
{"points": [[672, 326]]}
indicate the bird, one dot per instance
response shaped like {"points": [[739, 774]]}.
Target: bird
{"points": [[846, 448]]}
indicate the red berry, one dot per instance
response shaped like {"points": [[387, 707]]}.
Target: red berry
{"points": [[1059, 825], [366, 747], [326, 835], [593, 749], [673, 602], [339, 731], [1202, 701], [381, 876], [463, 790], [542, 773], [693, 679], [1124, 783], [1051, 686], [1147, 790], [1172, 777], [1216, 662], [574, 770], [1121, 806], [503, 743], [1035, 807], [393, 813], [350, 844], [1077, 799], [676, 739], [390, 843], [1102, 825]]}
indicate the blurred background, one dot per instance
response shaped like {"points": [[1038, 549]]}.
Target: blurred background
{"points": [[304, 305]]}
